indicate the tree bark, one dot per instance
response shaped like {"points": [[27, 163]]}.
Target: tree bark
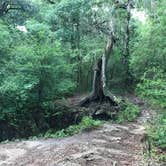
{"points": [[99, 81], [127, 44], [100, 93]]}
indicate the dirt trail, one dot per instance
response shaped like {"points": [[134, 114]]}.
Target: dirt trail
{"points": [[110, 145]]}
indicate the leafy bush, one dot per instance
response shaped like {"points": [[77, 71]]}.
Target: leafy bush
{"points": [[24, 123], [130, 113], [153, 87], [148, 47], [158, 131], [33, 72], [86, 123]]}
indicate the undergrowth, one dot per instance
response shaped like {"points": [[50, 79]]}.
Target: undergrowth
{"points": [[86, 123], [129, 114], [157, 134], [157, 131], [154, 91]]}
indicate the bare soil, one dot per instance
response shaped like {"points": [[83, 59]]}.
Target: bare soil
{"points": [[110, 145]]}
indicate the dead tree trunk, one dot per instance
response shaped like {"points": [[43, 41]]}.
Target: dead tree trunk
{"points": [[100, 94], [127, 44]]}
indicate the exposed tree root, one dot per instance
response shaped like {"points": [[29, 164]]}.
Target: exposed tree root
{"points": [[101, 101], [102, 107], [98, 99]]}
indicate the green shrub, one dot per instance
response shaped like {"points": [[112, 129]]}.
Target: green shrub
{"points": [[24, 123], [153, 87], [34, 71], [130, 113], [58, 134], [157, 131], [86, 123]]}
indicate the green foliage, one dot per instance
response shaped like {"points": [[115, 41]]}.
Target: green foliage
{"points": [[34, 70], [157, 131], [147, 64], [31, 66], [55, 58], [129, 114], [148, 46], [157, 134], [22, 123], [86, 123], [153, 87]]}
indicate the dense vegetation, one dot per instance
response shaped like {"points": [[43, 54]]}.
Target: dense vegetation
{"points": [[87, 123], [48, 50], [148, 64]]}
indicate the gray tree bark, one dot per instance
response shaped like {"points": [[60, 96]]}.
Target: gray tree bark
{"points": [[100, 93]]}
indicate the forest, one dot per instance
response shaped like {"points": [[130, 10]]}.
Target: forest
{"points": [[72, 66]]}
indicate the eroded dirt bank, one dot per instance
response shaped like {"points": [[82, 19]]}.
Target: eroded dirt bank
{"points": [[110, 145]]}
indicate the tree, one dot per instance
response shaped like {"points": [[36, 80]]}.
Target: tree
{"points": [[97, 23], [129, 6], [34, 72], [150, 37], [100, 93]]}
